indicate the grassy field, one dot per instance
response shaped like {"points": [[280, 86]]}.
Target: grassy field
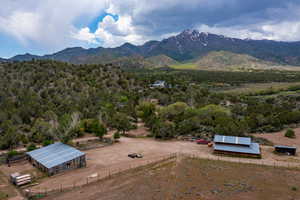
{"points": [[263, 87], [191, 179], [190, 66]]}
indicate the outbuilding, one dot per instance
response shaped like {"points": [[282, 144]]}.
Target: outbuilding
{"points": [[232, 145], [56, 158], [285, 150]]}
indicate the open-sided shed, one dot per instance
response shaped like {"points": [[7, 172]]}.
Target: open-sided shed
{"points": [[285, 150], [57, 158]]}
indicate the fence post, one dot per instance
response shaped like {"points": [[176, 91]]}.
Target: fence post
{"points": [[60, 187]]}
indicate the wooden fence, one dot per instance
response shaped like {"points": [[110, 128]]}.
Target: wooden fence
{"points": [[255, 161], [104, 174], [112, 172]]}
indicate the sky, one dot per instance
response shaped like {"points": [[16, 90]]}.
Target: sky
{"points": [[46, 26]]}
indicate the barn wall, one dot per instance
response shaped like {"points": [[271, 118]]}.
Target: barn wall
{"points": [[237, 154], [79, 162]]}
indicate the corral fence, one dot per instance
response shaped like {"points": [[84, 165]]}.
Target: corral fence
{"points": [[254, 161], [105, 173], [5, 159], [93, 146]]}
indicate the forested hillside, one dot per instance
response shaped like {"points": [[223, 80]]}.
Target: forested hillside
{"points": [[46, 101], [42, 100]]}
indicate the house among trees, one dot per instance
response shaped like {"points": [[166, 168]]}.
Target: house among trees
{"points": [[158, 84], [56, 158], [232, 145]]}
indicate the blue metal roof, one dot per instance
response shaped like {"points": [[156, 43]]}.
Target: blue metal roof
{"points": [[232, 140], [55, 154], [252, 149]]}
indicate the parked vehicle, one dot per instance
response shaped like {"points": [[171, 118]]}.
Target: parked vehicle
{"points": [[202, 141], [135, 155]]}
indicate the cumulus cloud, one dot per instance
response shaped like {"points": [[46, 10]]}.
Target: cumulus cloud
{"points": [[85, 34], [141, 20], [111, 32], [22, 25], [283, 31], [46, 23], [54, 24]]}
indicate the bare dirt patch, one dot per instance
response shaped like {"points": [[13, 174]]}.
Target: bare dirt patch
{"points": [[116, 157], [7, 191], [278, 138], [191, 179], [141, 131]]}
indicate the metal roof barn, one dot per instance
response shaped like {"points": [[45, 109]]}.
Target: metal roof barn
{"points": [[233, 145], [56, 158], [252, 149], [232, 140]]}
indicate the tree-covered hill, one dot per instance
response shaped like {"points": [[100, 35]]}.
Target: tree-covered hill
{"points": [[40, 98], [45, 101]]}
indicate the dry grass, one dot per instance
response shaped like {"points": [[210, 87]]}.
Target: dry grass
{"points": [[260, 87], [191, 179], [6, 189]]}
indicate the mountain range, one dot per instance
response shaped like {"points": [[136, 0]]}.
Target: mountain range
{"points": [[188, 46]]}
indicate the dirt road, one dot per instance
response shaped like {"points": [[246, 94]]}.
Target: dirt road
{"points": [[116, 157]]}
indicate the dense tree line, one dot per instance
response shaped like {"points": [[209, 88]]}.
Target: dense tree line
{"points": [[45, 101], [198, 76], [49, 100], [200, 110]]}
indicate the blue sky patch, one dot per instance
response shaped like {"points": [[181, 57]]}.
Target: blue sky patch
{"points": [[94, 23]]}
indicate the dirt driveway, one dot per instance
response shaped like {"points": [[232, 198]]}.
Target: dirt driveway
{"points": [[116, 156]]}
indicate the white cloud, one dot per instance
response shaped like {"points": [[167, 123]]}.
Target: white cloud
{"points": [[23, 25], [233, 31], [282, 31], [52, 24], [84, 34], [47, 23], [112, 32], [285, 31]]}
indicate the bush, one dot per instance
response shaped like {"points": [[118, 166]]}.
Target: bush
{"points": [[290, 133], [294, 188], [12, 153], [117, 135], [31, 147], [47, 142]]}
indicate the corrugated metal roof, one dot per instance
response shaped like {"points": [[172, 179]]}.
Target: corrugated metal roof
{"points": [[252, 149], [55, 154], [232, 140]]}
